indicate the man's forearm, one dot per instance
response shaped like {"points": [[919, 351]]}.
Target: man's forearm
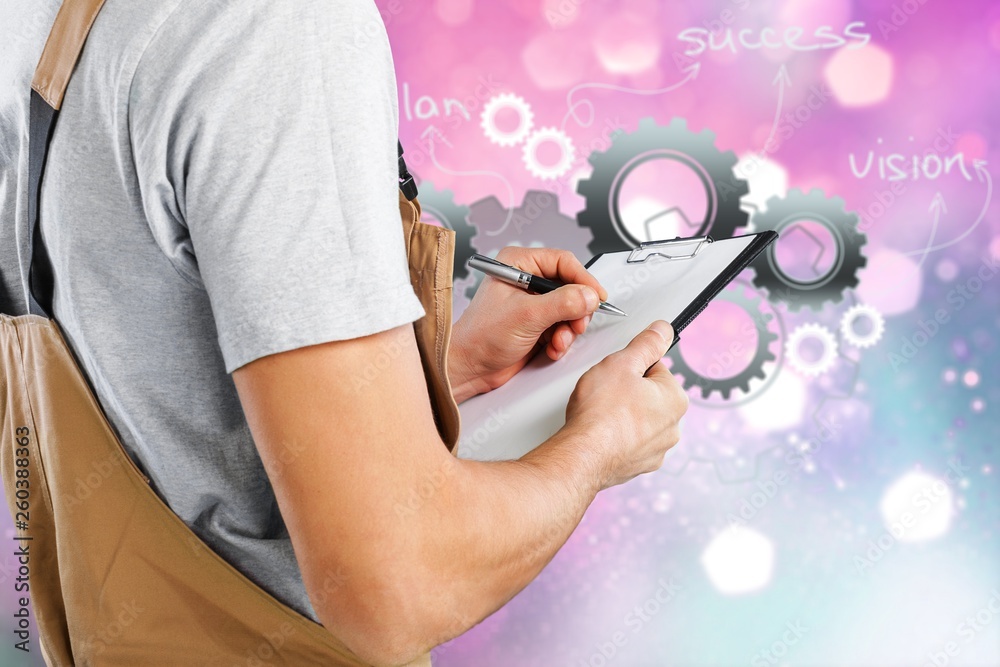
{"points": [[491, 529]]}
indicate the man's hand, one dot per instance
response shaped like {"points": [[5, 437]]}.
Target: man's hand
{"points": [[402, 546], [504, 326], [632, 436]]}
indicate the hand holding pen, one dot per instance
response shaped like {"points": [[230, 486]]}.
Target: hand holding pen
{"points": [[502, 329], [527, 281]]}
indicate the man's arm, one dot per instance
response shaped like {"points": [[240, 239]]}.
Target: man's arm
{"points": [[422, 546]]}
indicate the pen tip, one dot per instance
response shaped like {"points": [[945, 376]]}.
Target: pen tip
{"points": [[611, 310]]}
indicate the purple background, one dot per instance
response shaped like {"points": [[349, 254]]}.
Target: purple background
{"points": [[821, 460], [927, 72]]}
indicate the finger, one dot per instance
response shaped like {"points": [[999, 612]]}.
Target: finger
{"points": [[552, 263], [568, 303], [648, 347], [562, 338], [551, 348], [543, 343]]}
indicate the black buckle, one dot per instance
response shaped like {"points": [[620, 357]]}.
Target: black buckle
{"points": [[406, 183]]}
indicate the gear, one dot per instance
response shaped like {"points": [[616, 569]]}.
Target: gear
{"points": [[826, 359], [440, 204], [498, 103], [650, 142], [566, 156], [783, 213], [860, 311], [755, 369], [536, 222]]}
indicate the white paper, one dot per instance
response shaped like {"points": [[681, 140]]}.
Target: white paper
{"points": [[510, 421]]}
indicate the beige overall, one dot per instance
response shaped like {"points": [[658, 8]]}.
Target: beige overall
{"points": [[116, 578]]}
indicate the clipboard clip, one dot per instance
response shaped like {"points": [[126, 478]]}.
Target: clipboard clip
{"points": [[667, 249]]}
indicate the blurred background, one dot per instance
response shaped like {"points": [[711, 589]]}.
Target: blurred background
{"points": [[834, 498]]}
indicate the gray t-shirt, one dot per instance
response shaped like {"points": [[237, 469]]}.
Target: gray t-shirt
{"points": [[221, 185]]}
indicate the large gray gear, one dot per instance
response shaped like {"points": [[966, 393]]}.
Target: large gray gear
{"points": [[536, 222], [650, 142], [784, 212], [755, 369], [441, 205]]}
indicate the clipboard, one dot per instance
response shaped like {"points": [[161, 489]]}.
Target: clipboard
{"points": [[672, 280]]}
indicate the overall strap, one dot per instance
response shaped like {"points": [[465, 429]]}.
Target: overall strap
{"points": [[62, 50]]}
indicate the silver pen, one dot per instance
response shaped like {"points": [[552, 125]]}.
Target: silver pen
{"points": [[527, 281]]}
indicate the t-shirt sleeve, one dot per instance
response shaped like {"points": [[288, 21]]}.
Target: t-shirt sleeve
{"points": [[264, 136]]}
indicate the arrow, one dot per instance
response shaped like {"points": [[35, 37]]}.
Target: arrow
{"points": [[433, 131], [782, 80], [691, 73], [429, 134], [984, 177], [980, 167], [937, 207], [938, 203]]}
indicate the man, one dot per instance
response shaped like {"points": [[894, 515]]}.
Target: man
{"points": [[219, 209]]}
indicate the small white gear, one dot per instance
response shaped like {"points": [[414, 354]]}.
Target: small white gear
{"points": [[567, 153], [827, 357], [850, 335], [501, 102]]}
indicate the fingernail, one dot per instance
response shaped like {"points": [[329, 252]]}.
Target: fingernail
{"points": [[592, 299]]}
